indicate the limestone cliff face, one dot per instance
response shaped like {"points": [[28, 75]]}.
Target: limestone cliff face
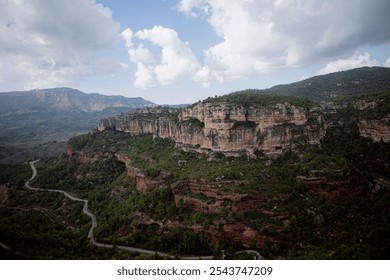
{"points": [[223, 127], [377, 130]]}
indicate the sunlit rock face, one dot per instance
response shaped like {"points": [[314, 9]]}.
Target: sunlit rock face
{"points": [[225, 128]]}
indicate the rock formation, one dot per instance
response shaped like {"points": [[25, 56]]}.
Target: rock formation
{"points": [[225, 128], [207, 197], [377, 130], [140, 181]]}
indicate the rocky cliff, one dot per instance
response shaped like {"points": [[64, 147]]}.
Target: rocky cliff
{"points": [[224, 127], [270, 124], [377, 130]]}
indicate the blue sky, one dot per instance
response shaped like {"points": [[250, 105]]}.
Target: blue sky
{"points": [[182, 51]]}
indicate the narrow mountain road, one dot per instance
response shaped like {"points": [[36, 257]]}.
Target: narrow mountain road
{"points": [[94, 225], [93, 219]]}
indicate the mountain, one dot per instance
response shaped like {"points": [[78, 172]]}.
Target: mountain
{"points": [[30, 118], [333, 85], [64, 99]]}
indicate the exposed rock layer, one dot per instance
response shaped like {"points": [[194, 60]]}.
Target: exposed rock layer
{"points": [[377, 130], [223, 127]]}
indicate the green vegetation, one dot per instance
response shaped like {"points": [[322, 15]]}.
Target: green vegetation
{"points": [[35, 117], [14, 174], [335, 85], [339, 225], [194, 123], [256, 98], [378, 105], [45, 225], [326, 201]]}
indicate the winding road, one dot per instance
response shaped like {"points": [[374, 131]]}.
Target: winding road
{"points": [[94, 224]]}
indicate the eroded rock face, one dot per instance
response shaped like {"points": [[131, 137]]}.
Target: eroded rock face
{"points": [[210, 197], [238, 233], [335, 189], [140, 181], [222, 127], [377, 130]]}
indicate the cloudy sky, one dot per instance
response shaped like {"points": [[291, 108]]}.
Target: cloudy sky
{"points": [[182, 51]]}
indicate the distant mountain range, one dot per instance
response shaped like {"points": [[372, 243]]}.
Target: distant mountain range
{"points": [[64, 99], [29, 118]]}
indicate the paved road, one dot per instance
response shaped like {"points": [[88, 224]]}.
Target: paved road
{"points": [[94, 224]]}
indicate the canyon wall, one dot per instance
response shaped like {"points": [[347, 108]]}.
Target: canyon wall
{"points": [[225, 128]]}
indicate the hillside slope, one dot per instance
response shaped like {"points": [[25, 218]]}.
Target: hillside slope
{"points": [[333, 85]]}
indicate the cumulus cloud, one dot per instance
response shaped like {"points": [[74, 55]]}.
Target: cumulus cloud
{"points": [[387, 63], [261, 36], [50, 43], [144, 77], [177, 59], [357, 60], [188, 6]]}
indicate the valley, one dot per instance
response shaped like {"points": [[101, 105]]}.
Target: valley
{"points": [[40, 122]]}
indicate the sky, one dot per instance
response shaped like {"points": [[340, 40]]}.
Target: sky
{"points": [[182, 51]]}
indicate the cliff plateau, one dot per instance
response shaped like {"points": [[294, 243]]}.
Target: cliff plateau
{"points": [[225, 128]]}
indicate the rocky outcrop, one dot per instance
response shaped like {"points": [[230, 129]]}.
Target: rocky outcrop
{"points": [[206, 197], [223, 127], [237, 233], [86, 157], [377, 130], [332, 189], [140, 181]]}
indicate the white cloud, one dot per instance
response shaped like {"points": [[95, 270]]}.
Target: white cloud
{"points": [[127, 36], [263, 36], [50, 43], [144, 77], [203, 76], [188, 6], [357, 60], [387, 63], [177, 59]]}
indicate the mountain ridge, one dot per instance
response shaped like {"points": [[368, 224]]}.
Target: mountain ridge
{"points": [[32, 118], [64, 98], [334, 85]]}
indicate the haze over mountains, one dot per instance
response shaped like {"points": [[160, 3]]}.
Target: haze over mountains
{"points": [[37, 116]]}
